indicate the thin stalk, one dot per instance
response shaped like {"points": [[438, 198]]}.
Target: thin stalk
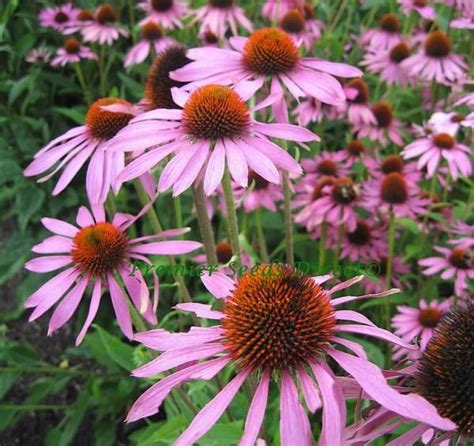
{"points": [[102, 88], [322, 247], [338, 14], [231, 216], [290, 254], [262, 244], [110, 206], [205, 226], [80, 77], [340, 235], [389, 271], [34, 407]]}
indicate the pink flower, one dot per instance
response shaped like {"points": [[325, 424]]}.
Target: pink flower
{"points": [[436, 147], [167, 13], [385, 126], [392, 163], [202, 143], [219, 15], [72, 52], [468, 99], [384, 37], [412, 323], [466, 19], [94, 254], [60, 17], [304, 325], [325, 164], [435, 61], [152, 39], [72, 149], [294, 24], [38, 55], [420, 6], [357, 97], [379, 269], [354, 151], [450, 123], [389, 64], [264, 194], [312, 110], [224, 256], [274, 10], [269, 54], [395, 193], [466, 233], [103, 29], [457, 263]]}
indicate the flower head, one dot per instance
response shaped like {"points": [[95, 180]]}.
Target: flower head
{"points": [[61, 18], [103, 28], [72, 52], [167, 13]]}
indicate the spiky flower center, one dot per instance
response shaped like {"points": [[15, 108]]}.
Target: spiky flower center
{"points": [[85, 16], [215, 111], [344, 191], [99, 249], [420, 3], [308, 11], [383, 114], [443, 141], [151, 31], [461, 258], [106, 124], [429, 317], [437, 44], [210, 38], [394, 188], [106, 14], [260, 182], [399, 52], [61, 17], [392, 163], [356, 147], [161, 5], [224, 253], [390, 23], [320, 185], [158, 84], [327, 167], [445, 372], [72, 45], [221, 4], [277, 319], [293, 22], [361, 234], [270, 51], [457, 118], [362, 91]]}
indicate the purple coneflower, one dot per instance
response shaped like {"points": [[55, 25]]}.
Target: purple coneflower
{"points": [[72, 52], [326, 163], [450, 123], [422, 7], [38, 55], [294, 24], [312, 110], [95, 253], [167, 13], [103, 28], [201, 142], [60, 17], [464, 233], [304, 325], [378, 270], [358, 110], [385, 36], [380, 167], [264, 195], [354, 151], [274, 10]]}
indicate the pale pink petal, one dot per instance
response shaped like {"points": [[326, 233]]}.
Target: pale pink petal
{"points": [[59, 227], [119, 302], [174, 247], [200, 310], [93, 307], [47, 264], [218, 284]]}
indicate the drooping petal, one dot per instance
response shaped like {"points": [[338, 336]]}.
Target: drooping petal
{"points": [[218, 284], [93, 307], [119, 303]]}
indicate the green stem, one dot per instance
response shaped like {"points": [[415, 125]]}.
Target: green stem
{"points": [[231, 216], [338, 14], [261, 237], [80, 77], [102, 88], [290, 255], [110, 206], [322, 247], [34, 407], [48, 369], [389, 271], [205, 226], [340, 235]]}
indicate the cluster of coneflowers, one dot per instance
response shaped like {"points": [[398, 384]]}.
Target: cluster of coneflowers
{"points": [[216, 121]]}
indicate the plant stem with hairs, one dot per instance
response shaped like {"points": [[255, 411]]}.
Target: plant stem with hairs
{"points": [[389, 270], [290, 255], [231, 217], [261, 237]]}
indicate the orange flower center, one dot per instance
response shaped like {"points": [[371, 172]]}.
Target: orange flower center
{"points": [[383, 114], [361, 235], [308, 11], [437, 44], [344, 191], [224, 253], [270, 51], [362, 91], [399, 52], [461, 258], [158, 84], [327, 167], [390, 23], [161, 5], [277, 319], [420, 3], [429, 317], [293, 21], [458, 117], [72, 45], [444, 141], [211, 38], [215, 111], [318, 187], [151, 31], [356, 148], [99, 249], [394, 189], [392, 163], [85, 16], [106, 14], [106, 124], [61, 17]]}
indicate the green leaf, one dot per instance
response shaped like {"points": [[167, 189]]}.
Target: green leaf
{"points": [[409, 224], [75, 114], [223, 433], [29, 200], [119, 352], [161, 433]]}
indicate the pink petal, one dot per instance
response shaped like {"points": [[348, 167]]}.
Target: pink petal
{"points": [[218, 284], [215, 168], [174, 247], [119, 302], [201, 310], [93, 307], [59, 227], [46, 264], [53, 245]]}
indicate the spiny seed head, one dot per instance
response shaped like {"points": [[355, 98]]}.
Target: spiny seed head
{"points": [[383, 114], [327, 167], [320, 185], [445, 373], [361, 234], [61, 17], [362, 90], [151, 31], [437, 44], [106, 14], [260, 182], [72, 45], [99, 249], [221, 4], [106, 124], [344, 190], [161, 5], [158, 84], [356, 148], [309, 11], [224, 253], [392, 163], [444, 141], [277, 319], [293, 21], [399, 52], [461, 258], [85, 16], [215, 111], [394, 188], [390, 23], [429, 317], [270, 51]]}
